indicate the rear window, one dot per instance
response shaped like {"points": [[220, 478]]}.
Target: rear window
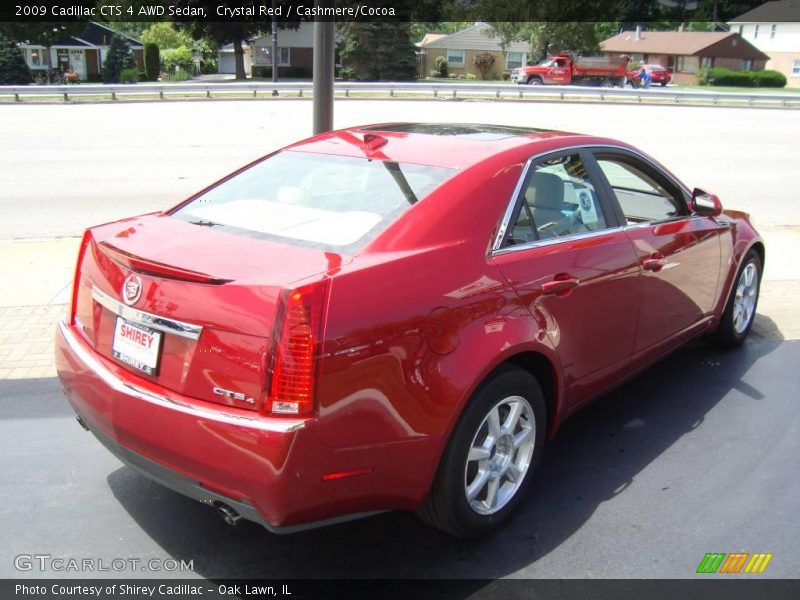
{"points": [[319, 200]]}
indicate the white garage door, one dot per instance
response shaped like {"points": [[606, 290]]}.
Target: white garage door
{"points": [[227, 62]]}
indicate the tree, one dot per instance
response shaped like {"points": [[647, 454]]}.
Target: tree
{"points": [[13, 68], [553, 36], [119, 57], [164, 35], [152, 61], [377, 51]]}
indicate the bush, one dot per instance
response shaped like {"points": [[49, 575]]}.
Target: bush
{"points": [[152, 62], [726, 77], [485, 62], [129, 75], [441, 65], [13, 68], [506, 75], [297, 72], [177, 59], [176, 76], [471, 77]]}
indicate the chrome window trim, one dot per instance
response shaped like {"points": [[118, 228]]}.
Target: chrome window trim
{"points": [[504, 224], [134, 315], [134, 391]]}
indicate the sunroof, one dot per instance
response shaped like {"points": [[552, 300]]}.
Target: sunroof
{"points": [[463, 130]]}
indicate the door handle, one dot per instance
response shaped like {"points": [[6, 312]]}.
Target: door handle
{"points": [[654, 263], [561, 286]]}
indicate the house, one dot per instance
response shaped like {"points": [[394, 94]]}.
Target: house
{"points": [[84, 53], [774, 28], [295, 53], [461, 47], [685, 52]]}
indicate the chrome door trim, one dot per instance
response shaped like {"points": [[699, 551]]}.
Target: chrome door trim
{"points": [[501, 232], [134, 315]]}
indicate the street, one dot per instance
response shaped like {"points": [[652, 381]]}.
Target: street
{"points": [[699, 454]]}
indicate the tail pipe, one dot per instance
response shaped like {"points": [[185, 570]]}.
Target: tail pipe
{"points": [[228, 514]]}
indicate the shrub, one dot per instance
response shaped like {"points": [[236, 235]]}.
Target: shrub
{"points": [[152, 62], [484, 61], [176, 76], [441, 65], [726, 77], [177, 59], [119, 57], [129, 75], [471, 77], [13, 68], [506, 75]]}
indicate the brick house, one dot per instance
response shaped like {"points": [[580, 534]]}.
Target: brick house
{"points": [[685, 52]]}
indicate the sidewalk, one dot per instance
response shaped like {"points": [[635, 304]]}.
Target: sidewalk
{"points": [[40, 272]]}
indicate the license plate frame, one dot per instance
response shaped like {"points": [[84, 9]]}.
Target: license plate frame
{"points": [[137, 346]]}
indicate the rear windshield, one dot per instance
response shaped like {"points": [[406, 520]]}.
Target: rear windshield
{"points": [[319, 200]]}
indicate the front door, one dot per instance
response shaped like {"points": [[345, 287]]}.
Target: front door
{"points": [[679, 252], [575, 270]]}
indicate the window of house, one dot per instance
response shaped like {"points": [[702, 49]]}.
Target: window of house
{"points": [[747, 64], [772, 32], [796, 68], [707, 62], [755, 32], [515, 60], [284, 56], [37, 58], [455, 58], [741, 29], [641, 196], [688, 64]]}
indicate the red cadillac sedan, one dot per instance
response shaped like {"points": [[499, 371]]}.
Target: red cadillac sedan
{"points": [[394, 316]]}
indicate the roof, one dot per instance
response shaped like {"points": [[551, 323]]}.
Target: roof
{"points": [[453, 145], [771, 12], [92, 36], [472, 38], [684, 43]]}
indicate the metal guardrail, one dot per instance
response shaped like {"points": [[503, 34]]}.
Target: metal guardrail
{"points": [[436, 89]]}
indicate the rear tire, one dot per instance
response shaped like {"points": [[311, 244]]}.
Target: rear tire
{"points": [[740, 310], [490, 458]]}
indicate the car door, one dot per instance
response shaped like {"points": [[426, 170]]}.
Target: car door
{"points": [[679, 252], [559, 73], [565, 253]]}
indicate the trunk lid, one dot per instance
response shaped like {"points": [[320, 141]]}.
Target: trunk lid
{"points": [[201, 304]]}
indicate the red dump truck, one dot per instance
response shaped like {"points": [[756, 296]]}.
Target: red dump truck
{"points": [[565, 69]]}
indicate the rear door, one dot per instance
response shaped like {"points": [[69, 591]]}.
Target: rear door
{"points": [[573, 267], [679, 252]]}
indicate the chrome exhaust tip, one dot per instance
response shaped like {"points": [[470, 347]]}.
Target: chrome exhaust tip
{"points": [[81, 422], [228, 514]]}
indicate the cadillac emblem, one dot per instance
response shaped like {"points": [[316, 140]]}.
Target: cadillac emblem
{"points": [[132, 289]]}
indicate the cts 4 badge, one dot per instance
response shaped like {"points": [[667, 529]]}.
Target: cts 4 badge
{"points": [[132, 289], [233, 395]]}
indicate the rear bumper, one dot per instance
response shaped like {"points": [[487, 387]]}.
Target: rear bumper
{"points": [[265, 468]]}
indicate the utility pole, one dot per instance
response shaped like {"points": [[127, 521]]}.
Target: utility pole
{"points": [[275, 58], [323, 70]]}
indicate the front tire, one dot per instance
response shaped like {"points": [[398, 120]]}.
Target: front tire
{"points": [[534, 81], [740, 310], [491, 456]]}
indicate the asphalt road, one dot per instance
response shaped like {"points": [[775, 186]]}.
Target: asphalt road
{"points": [[699, 454], [65, 167]]}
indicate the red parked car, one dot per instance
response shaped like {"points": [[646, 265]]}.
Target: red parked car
{"points": [[658, 74], [392, 317]]}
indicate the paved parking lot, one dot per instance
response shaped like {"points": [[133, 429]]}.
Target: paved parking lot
{"points": [[700, 454]]}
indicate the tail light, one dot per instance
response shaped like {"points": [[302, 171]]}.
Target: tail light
{"points": [[77, 276], [295, 352]]}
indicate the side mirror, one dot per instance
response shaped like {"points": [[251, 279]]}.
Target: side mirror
{"points": [[705, 204]]}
